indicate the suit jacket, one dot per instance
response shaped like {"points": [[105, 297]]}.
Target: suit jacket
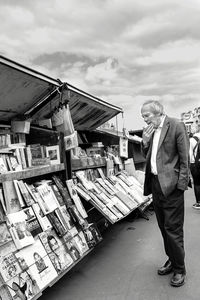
{"points": [[172, 158]]}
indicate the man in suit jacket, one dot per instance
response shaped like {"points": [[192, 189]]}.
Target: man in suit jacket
{"points": [[166, 147]]}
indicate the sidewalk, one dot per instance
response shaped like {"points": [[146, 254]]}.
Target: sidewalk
{"points": [[124, 266]]}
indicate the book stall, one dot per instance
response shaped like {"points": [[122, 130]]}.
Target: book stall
{"points": [[52, 178]]}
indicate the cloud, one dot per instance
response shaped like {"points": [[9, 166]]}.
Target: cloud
{"points": [[124, 53]]}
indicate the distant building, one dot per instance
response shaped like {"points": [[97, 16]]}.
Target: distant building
{"points": [[191, 120]]}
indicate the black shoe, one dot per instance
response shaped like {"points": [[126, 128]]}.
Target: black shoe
{"points": [[178, 279], [166, 269]]}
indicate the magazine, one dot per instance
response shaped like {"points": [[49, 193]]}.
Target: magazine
{"points": [[5, 236], [42, 219], [23, 286], [9, 266], [33, 224], [11, 199], [73, 193], [39, 263], [19, 230], [81, 242], [92, 235], [73, 249]]}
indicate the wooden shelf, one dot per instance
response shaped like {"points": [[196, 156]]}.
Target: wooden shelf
{"points": [[88, 167], [31, 172]]}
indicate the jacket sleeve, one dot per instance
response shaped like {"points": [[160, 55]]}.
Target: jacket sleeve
{"points": [[183, 152]]}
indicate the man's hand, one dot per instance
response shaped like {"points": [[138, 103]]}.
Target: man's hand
{"points": [[147, 133]]}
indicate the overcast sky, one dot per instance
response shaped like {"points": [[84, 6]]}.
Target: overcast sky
{"points": [[123, 51]]}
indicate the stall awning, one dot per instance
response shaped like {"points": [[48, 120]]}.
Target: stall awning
{"points": [[24, 91]]}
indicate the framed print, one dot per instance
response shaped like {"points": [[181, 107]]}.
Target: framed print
{"points": [[53, 153]]}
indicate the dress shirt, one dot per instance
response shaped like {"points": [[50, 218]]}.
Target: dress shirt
{"points": [[156, 138], [193, 143]]}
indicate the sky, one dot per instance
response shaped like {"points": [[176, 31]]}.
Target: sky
{"points": [[122, 51]]}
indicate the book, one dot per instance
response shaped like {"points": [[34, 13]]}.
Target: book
{"points": [[28, 199], [73, 249], [9, 266], [7, 248], [81, 242], [56, 223], [24, 286], [82, 192], [5, 293], [33, 224], [92, 235], [63, 190], [39, 263], [10, 196], [19, 195], [23, 158], [73, 193], [36, 151], [48, 196], [70, 234], [42, 218], [5, 236], [66, 216], [57, 193], [57, 252], [3, 165], [14, 163], [18, 228], [2, 201]]}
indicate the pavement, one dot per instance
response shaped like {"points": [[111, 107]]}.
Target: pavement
{"points": [[124, 265]]}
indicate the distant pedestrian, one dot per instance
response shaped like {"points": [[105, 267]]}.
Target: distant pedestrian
{"points": [[195, 167]]}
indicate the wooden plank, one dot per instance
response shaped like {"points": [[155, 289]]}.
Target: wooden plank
{"points": [[31, 172]]}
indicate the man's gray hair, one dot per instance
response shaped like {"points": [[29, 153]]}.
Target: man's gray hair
{"points": [[156, 106]]}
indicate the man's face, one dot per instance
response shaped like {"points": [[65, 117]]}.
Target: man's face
{"points": [[150, 117]]}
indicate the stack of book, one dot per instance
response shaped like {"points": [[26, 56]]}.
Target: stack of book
{"points": [[115, 196], [43, 235]]}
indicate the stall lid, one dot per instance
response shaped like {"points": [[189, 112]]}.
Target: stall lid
{"points": [[24, 91]]}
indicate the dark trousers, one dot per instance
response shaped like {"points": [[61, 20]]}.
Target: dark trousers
{"points": [[196, 181], [170, 217]]}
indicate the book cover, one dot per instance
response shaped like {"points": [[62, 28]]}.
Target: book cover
{"points": [[92, 235], [23, 158], [3, 165], [48, 196], [14, 163], [23, 286], [82, 192], [9, 266], [73, 249], [7, 248], [39, 263], [57, 224], [19, 195], [57, 252], [42, 219], [63, 190], [57, 193], [33, 224], [19, 230], [25, 193], [73, 193], [5, 236], [81, 242], [36, 151], [3, 204], [70, 234], [66, 216], [5, 293], [10, 196]]}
